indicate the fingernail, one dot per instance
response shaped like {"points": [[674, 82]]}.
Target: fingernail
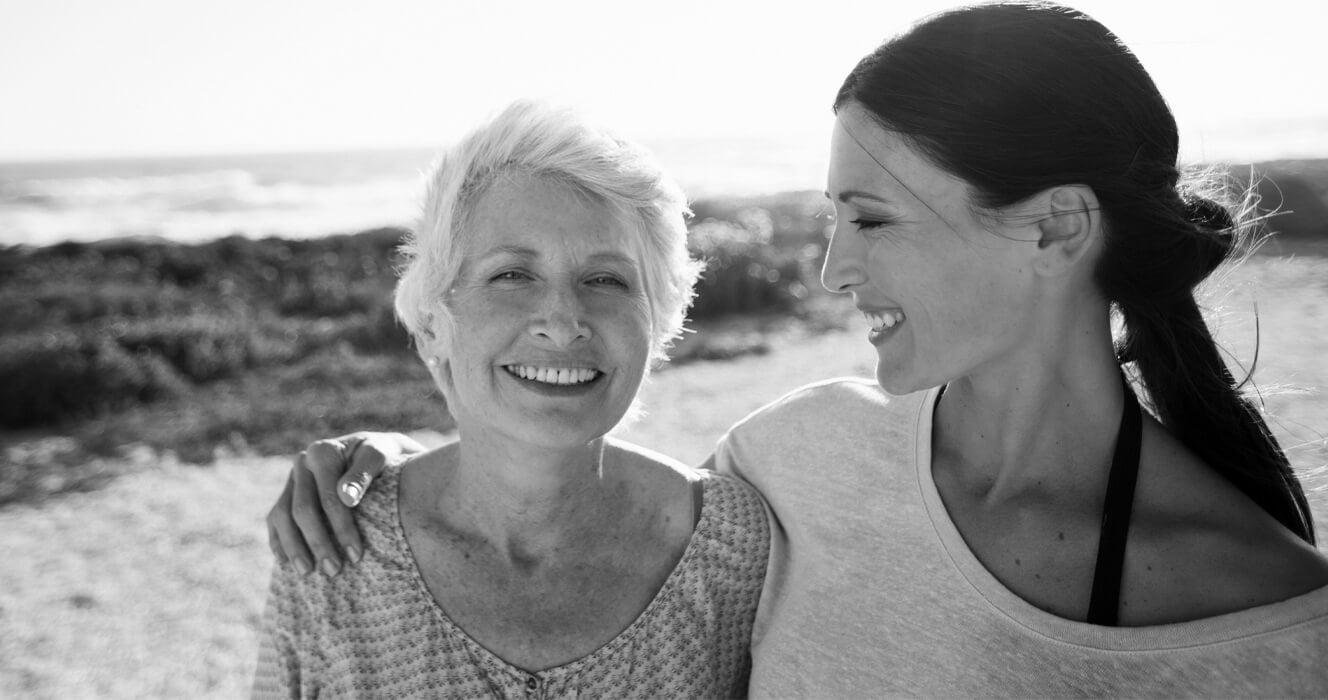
{"points": [[354, 554], [351, 493], [303, 567], [331, 568]]}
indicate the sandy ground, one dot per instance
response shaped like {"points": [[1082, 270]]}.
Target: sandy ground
{"points": [[153, 586]]}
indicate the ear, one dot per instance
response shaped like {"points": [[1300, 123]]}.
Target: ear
{"points": [[434, 352], [1070, 226]]}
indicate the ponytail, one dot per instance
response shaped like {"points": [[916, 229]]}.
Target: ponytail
{"points": [[1016, 98], [1190, 389]]}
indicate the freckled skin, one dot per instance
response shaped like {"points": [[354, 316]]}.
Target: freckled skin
{"points": [[540, 536], [569, 300]]}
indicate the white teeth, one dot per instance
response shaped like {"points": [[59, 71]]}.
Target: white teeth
{"points": [[554, 375], [884, 320]]}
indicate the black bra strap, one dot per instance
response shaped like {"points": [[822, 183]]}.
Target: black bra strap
{"points": [[1104, 605]]}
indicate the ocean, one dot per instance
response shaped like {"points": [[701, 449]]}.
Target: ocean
{"points": [[296, 195]]}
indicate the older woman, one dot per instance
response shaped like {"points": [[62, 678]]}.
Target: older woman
{"points": [[998, 515], [533, 556]]}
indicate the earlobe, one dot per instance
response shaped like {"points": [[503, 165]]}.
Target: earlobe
{"points": [[1071, 225], [440, 370], [434, 352], [437, 368]]}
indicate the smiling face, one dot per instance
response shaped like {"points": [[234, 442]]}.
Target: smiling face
{"points": [[947, 292], [551, 321]]}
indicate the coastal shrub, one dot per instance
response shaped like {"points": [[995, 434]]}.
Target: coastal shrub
{"points": [[324, 293], [377, 331], [744, 272], [47, 377], [77, 282], [75, 301], [205, 348], [278, 410]]}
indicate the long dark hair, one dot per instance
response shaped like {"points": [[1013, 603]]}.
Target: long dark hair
{"points": [[1016, 98]]}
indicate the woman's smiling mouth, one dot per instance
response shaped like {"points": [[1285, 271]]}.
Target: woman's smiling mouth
{"points": [[882, 323], [884, 319], [558, 376]]}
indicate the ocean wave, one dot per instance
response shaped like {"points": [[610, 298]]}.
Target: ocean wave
{"points": [[72, 193], [302, 195], [198, 206], [306, 195]]}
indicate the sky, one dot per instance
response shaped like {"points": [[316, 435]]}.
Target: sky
{"points": [[89, 78]]}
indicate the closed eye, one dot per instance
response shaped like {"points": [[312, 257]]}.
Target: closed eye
{"points": [[868, 224]]}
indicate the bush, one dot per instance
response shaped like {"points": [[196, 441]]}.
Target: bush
{"points": [[279, 410], [377, 331], [68, 302], [206, 348], [49, 377], [744, 272], [334, 276]]}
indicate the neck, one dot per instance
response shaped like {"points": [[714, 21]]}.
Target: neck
{"points": [[530, 502], [1045, 417]]}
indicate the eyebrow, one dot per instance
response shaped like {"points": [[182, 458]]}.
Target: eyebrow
{"points": [[617, 258], [525, 253], [857, 194], [844, 195]]}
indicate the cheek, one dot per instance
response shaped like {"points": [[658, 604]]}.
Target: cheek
{"points": [[629, 326], [961, 296], [983, 304]]}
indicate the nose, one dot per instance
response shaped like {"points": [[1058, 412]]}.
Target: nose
{"points": [[843, 269], [561, 319]]}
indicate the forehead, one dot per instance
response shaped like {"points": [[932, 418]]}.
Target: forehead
{"points": [[546, 216], [866, 159]]}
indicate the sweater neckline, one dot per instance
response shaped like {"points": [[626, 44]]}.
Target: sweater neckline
{"points": [[491, 662], [1004, 602]]}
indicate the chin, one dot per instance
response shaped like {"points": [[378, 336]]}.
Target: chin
{"points": [[899, 383]]}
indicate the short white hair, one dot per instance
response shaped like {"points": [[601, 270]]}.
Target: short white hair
{"points": [[535, 139]]}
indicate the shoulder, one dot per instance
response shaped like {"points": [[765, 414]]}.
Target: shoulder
{"points": [[657, 484], [837, 393], [645, 458], [732, 500], [724, 499], [848, 412], [1200, 547], [379, 515], [734, 528], [651, 477]]}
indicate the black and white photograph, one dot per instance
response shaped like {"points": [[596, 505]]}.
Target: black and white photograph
{"points": [[681, 349]]}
